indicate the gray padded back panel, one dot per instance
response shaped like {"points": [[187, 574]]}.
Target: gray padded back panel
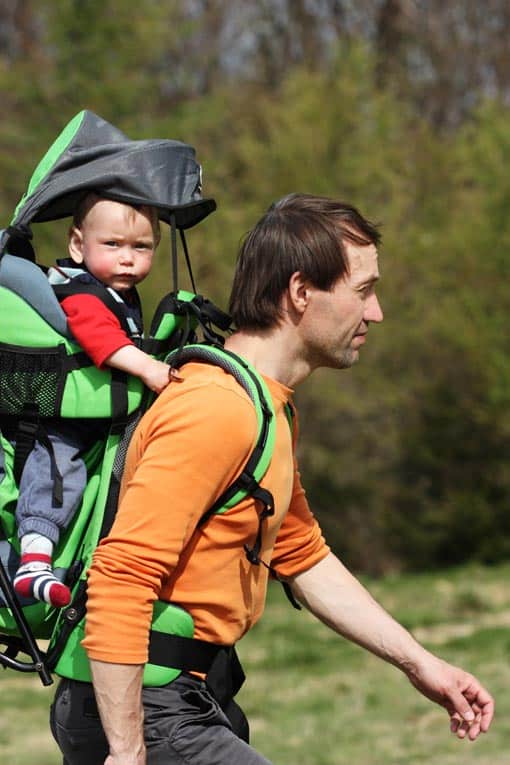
{"points": [[29, 282]]}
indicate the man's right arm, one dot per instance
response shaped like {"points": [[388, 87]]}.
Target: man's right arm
{"points": [[336, 597], [118, 690]]}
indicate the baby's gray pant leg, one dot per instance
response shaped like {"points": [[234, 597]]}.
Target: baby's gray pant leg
{"points": [[35, 512]]}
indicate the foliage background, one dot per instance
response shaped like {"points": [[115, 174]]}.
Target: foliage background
{"points": [[401, 108]]}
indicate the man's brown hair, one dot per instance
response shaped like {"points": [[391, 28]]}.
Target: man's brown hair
{"points": [[300, 232]]}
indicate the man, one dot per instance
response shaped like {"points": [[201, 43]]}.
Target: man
{"points": [[303, 297]]}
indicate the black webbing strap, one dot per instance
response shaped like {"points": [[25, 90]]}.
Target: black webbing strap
{"points": [[212, 313], [74, 361], [56, 476], [152, 346], [30, 430], [225, 676], [119, 400], [220, 664], [181, 652], [188, 261], [25, 436], [173, 241]]}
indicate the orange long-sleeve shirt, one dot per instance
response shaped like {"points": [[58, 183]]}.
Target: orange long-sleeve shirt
{"points": [[189, 447]]}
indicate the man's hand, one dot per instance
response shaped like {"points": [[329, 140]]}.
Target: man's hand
{"points": [[338, 599], [469, 704]]}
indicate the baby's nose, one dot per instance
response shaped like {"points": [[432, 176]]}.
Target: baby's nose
{"points": [[126, 255]]}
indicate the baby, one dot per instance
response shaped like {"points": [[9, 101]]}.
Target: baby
{"points": [[110, 244]]}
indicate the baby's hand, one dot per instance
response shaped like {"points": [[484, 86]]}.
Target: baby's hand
{"points": [[157, 375]]}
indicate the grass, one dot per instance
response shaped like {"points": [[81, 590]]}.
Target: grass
{"points": [[316, 699]]}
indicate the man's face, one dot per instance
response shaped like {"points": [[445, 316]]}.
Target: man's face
{"points": [[336, 322]]}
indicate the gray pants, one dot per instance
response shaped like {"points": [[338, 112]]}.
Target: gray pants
{"points": [[35, 512], [184, 725]]}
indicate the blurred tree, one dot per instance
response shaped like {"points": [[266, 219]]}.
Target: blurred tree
{"points": [[403, 456]]}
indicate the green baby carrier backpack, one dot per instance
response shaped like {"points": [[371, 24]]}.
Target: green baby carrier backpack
{"points": [[45, 375]]}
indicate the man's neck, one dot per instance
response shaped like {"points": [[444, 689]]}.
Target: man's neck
{"points": [[272, 353]]}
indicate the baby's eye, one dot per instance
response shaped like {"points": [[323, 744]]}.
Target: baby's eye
{"points": [[111, 243]]}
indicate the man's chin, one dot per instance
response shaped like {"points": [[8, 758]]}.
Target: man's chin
{"points": [[349, 358], [345, 361]]}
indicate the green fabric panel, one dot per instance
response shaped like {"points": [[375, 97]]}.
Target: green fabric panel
{"points": [[87, 393], [167, 326], [167, 618], [9, 491], [87, 390], [73, 662], [171, 620], [169, 322], [29, 327], [40, 616], [51, 157]]}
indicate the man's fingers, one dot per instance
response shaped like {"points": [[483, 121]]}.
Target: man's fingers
{"points": [[460, 706], [486, 703], [471, 719]]}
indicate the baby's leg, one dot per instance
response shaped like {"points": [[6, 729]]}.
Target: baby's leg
{"points": [[40, 521]]}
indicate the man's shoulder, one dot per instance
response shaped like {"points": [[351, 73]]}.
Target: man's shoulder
{"points": [[210, 389], [208, 404], [198, 374]]}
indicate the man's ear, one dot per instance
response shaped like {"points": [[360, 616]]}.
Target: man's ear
{"points": [[298, 292], [75, 244]]}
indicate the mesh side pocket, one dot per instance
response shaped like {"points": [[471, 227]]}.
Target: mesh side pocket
{"points": [[33, 376]]}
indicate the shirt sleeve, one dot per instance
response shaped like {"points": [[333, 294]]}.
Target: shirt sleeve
{"points": [[300, 543], [94, 327]]}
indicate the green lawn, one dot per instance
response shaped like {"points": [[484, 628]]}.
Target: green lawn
{"points": [[315, 699]]}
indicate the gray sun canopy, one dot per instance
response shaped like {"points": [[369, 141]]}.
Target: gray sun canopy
{"points": [[91, 154]]}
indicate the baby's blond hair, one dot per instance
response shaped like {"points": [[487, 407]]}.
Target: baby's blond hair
{"points": [[87, 202]]}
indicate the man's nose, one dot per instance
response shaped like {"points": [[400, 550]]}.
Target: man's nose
{"points": [[373, 310]]}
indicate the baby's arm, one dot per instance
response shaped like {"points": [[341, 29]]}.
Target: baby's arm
{"points": [[98, 331], [155, 374]]}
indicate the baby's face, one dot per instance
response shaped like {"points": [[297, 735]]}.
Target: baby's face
{"points": [[116, 243]]}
